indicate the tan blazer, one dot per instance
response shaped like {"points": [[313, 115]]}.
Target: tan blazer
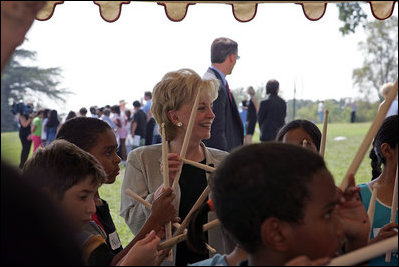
{"points": [[143, 176]]}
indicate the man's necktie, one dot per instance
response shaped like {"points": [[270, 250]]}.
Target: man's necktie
{"points": [[228, 90]]}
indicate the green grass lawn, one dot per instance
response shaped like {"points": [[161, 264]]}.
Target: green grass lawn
{"points": [[11, 148], [338, 156]]}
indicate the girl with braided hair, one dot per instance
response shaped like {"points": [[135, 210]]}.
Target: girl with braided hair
{"points": [[384, 152]]}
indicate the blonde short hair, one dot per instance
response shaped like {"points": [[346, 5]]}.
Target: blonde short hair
{"points": [[175, 89], [251, 91], [385, 89]]}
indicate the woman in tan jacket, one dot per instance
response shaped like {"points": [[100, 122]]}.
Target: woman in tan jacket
{"points": [[173, 99]]}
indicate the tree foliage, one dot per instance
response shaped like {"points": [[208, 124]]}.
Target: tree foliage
{"points": [[380, 48], [380, 51], [19, 82], [352, 15]]}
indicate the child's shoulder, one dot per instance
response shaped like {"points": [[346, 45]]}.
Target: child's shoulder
{"points": [[365, 193], [216, 260], [94, 249], [362, 186], [365, 189], [92, 228]]}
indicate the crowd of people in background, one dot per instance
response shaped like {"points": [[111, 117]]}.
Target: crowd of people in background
{"points": [[133, 127], [39, 128]]}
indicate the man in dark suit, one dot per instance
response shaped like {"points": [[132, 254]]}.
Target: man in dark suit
{"points": [[227, 131]]}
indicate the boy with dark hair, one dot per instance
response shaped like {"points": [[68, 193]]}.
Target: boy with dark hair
{"points": [[33, 225], [71, 177], [279, 202], [96, 137]]}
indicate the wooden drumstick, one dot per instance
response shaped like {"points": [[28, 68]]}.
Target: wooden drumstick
{"points": [[187, 137], [143, 201], [371, 208], [181, 237], [324, 134], [138, 198], [198, 165], [375, 126], [366, 253], [196, 205], [168, 227], [211, 249], [394, 207], [165, 158]]}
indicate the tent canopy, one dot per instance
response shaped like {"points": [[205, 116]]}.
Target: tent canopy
{"points": [[176, 11]]}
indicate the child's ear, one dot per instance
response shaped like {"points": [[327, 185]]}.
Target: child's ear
{"points": [[387, 151], [275, 234]]}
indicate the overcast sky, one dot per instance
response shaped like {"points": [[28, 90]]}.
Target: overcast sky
{"points": [[105, 62]]}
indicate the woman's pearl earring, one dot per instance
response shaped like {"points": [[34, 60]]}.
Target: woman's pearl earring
{"points": [[179, 124]]}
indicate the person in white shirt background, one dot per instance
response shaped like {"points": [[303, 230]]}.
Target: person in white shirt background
{"points": [[384, 91]]}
